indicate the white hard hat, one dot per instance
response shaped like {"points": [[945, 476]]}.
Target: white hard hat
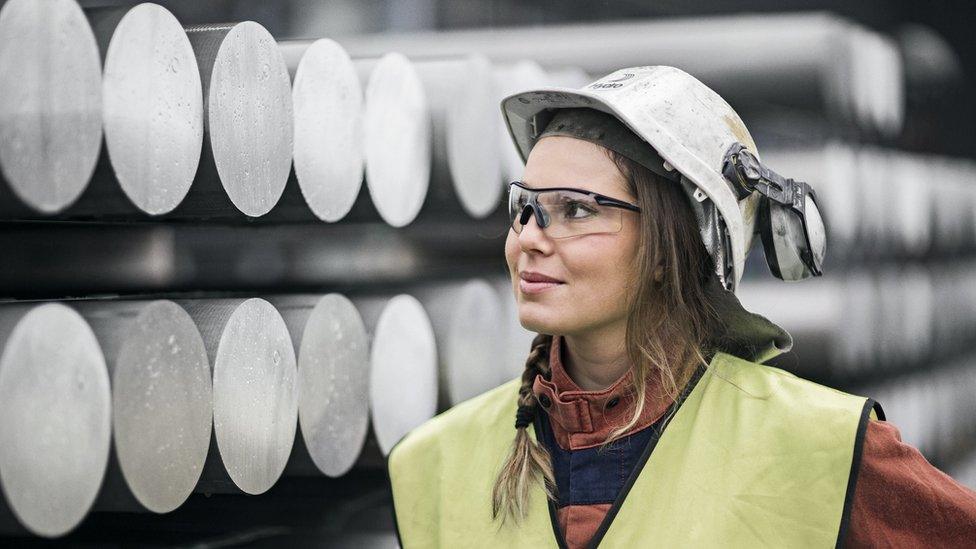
{"points": [[699, 135]]}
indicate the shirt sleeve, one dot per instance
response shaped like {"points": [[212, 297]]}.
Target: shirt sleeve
{"points": [[901, 500]]}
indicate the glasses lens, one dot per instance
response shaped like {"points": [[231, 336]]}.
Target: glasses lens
{"points": [[566, 213], [518, 198], [573, 214]]}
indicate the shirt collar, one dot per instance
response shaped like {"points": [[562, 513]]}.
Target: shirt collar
{"points": [[582, 419]]}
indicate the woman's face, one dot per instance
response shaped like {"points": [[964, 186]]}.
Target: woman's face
{"points": [[595, 271]]}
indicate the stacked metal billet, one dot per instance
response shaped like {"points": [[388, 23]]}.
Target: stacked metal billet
{"points": [[235, 268], [810, 61], [207, 394], [203, 123], [179, 341]]}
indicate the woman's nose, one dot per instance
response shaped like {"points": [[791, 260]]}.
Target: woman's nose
{"points": [[532, 236]]}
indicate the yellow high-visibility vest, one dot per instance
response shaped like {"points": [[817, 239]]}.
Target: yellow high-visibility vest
{"points": [[754, 456]]}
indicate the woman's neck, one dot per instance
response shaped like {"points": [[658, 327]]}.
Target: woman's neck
{"points": [[596, 359]]}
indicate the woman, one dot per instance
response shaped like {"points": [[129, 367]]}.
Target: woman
{"points": [[644, 416]]}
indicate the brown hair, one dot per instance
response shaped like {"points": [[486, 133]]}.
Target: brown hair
{"points": [[671, 327]]}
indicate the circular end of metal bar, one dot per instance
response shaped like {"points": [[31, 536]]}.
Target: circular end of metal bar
{"points": [[333, 384], [472, 340], [255, 397], [50, 102], [153, 108], [518, 340], [397, 134], [55, 419], [162, 402], [250, 118], [472, 152], [328, 130], [403, 371], [511, 79]]}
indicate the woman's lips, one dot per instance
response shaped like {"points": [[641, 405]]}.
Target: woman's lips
{"points": [[536, 287]]}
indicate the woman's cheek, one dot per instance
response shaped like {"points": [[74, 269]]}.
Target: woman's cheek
{"points": [[511, 251]]}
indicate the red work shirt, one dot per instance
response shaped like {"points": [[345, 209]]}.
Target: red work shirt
{"points": [[900, 499]]}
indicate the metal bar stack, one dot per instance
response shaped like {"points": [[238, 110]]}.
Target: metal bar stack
{"points": [[236, 268]]}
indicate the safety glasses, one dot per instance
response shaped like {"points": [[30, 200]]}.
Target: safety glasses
{"points": [[564, 211]]}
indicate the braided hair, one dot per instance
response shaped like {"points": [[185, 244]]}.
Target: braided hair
{"points": [[528, 458]]}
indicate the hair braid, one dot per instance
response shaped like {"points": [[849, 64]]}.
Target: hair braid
{"points": [[529, 460]]}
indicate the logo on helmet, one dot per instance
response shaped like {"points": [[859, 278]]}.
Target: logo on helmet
{"points": [[611, 83]]}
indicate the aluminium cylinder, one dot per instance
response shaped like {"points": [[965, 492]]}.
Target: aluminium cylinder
{"points": [[55, 417], [511, 78], [466, 176], [517, 340], [403, 366], [50, 106], [397, 136], [812, 61], [162, 402], [467, 322], [333, 381], [248, 122], [152, 115], [328, 110], [255, 402]]}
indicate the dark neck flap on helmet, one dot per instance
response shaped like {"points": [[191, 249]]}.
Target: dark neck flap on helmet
{"points": [[747, 335]]}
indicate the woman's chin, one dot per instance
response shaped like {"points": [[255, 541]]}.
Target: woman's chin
{"points": [[542, 322]]}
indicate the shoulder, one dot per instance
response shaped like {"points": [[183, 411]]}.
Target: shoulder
{"points": [[760, 375], [901, 499], [489, 409], [775, 385]]}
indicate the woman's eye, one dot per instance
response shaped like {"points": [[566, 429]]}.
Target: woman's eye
{"points": [[577, 210]]}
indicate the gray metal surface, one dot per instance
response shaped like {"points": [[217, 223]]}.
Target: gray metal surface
{"points": [[832, 321], [468, 328], [846, 326], [932, 408], [254, 392], [328, 102], [464, 110], [568, 77], [808, 59], [518, 340], [403, 366], [55, 416], [885, 203], [162, 396], [87, 258], [248, 119], [333, 377], [397, 137], [508, 79], [153, 106], [50, 104]]}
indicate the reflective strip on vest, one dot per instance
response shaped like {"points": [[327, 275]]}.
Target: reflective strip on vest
{"points": [[755, 456]]}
